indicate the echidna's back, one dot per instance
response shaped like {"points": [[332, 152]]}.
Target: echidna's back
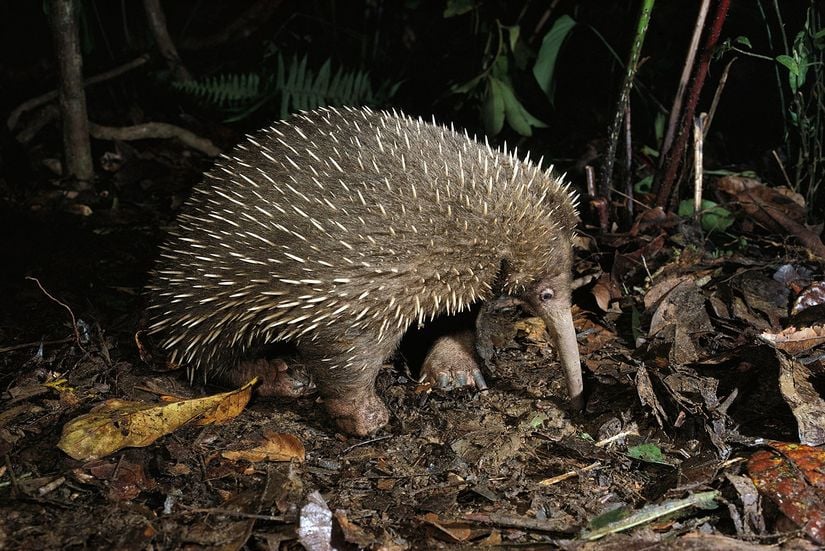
{"points": [[350, 217]]}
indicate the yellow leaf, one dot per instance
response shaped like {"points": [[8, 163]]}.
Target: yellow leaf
{"points": [[118, 424]]}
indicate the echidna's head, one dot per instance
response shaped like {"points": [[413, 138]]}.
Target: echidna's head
{"points": [[549, 298], [543, 285]]}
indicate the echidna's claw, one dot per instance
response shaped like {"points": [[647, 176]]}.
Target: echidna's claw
{"points": [[452, 363]]}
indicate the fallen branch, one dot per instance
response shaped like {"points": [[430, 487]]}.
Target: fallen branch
{"points": [[154, 130], [525, 523]]}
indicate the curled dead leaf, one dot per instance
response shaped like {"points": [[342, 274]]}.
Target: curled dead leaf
{"points": [[118, 424], [795, 341]]}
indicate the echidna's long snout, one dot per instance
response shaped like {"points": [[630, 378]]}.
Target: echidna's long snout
{"points": [[559, 322]]}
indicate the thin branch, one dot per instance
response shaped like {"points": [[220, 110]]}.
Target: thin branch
{"points": [[155, 130], [30, 104]]}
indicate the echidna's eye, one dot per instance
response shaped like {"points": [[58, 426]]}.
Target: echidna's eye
{"points": [[546, 294]]}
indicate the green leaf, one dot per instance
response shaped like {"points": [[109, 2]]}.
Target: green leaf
{"points": [[713, 217], [517, 116], [538, 420], [659, 126], [458, 7], [467, 86], [796, 74], [513, 34], [494, 107], [645, 185], [501, 68], [545, 66], [649, 453], [744, 40], [789, 62]]}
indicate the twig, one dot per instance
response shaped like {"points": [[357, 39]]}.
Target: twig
{"points": [[365, 442], [698, 162], [628, 143], [543, 19], [624, 97], [635, 201], [618, 436], [154, 130], [34, 343], [64, 305], [515, 521], [30, 104], [718, 95], [569, 474], [782, 168], [37, 122], [590, 175]]}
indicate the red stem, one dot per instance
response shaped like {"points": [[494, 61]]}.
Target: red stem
{"points": [[677, 152]]}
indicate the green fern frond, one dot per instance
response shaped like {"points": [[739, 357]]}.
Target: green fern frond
{"points": [[295, 84], [223, 91]]}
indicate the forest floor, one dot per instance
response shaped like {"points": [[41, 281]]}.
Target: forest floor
{"points": [[699, 400]]}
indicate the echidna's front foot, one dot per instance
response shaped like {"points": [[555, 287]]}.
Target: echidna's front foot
{"points": [[275, 376], [361, 414], [452, 362]]}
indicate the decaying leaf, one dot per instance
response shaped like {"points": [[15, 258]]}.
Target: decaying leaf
{"points": [[315, 525], [777, 209], [795, 341], [118, 424], [791, 475], [807, 405], [275, 447], [457, 531]]}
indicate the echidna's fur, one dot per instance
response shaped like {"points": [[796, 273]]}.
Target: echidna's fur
{"points": [[344, 227]]}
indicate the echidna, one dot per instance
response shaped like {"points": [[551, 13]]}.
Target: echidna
{"points": [[340, 228]]}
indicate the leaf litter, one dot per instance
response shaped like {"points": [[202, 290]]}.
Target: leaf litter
{"points": [[703, 359]]}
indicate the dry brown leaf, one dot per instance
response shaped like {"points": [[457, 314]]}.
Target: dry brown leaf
{"points": [[805, 402], [795, 341], [275, 447], [605, 291], [456, 530], [118, 424], [661, 288]]}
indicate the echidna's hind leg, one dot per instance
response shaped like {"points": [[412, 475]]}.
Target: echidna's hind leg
{"points": [[344, 369], [452, 362]]}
